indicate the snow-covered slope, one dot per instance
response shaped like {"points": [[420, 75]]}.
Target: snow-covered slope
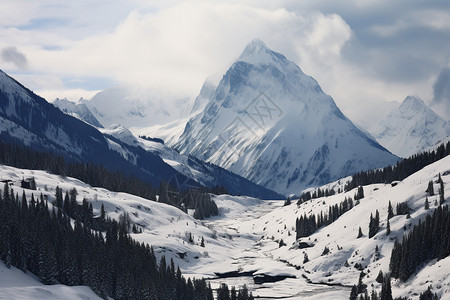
{"points": [[134, 107], [245, 237], [78, 110], [410, 128], [272, 124], [341, 236], [15, 284], [164, 227], [204, 173]]}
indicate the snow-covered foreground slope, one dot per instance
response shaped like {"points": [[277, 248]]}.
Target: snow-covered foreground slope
{"points": [[244, 239], [341, 236], [168, 229], [410, 128], [15, 284]]}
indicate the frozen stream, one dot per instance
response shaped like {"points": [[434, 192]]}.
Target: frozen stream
{"points": [[249, 253]]}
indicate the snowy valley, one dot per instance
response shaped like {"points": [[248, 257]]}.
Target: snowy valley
{"points": [[244, 240], [261, 185]]}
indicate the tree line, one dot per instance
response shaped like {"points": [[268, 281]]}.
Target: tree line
{"points": [[117, 181], [401, 170], [42, 241], [307, 225], [428, 240]]}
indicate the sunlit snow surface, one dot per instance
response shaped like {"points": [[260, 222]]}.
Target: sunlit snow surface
{"points": [[245, 238], [15, 284]]}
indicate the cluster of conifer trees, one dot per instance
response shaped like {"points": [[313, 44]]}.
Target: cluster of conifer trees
{"points": [[224, 293], [22, 157], [428, 240], [315, 194], [26, 158], [401, 170], [192, 198], [35, 239], [307, 225]]}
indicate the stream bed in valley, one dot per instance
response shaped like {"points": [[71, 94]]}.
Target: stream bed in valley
{"points": [[251, 258]]}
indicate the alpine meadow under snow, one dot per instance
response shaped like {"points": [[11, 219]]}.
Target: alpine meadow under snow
{"points": [[259, 188]]}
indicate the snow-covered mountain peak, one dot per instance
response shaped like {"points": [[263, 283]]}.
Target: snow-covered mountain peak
{"points": [[255, 48], [412, 103], [410, 128], [273, 124], [257, 53]]}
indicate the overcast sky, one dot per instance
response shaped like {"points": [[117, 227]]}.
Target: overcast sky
{"points": [[360, 51]]}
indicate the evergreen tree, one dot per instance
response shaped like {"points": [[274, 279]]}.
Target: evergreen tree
{"points": [[374, 224], [102, 213], [223, 292], [428, 295], [288, 201], [430, 189], [305, 258], [380, 277], [361, 287], [233, 294], [427, 204], [354, 293], [441, 191], [386, 290], [390, 211], [388, 228], [360, 234]]}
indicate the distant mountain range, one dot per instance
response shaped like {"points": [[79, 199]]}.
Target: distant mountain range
{"points": [[29, 120]]}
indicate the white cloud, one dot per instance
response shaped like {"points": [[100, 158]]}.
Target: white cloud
{"points": [[178, 47], [174, 46]]}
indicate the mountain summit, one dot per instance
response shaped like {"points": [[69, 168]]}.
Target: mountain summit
{"points": [[272, 124], [410, 128]]}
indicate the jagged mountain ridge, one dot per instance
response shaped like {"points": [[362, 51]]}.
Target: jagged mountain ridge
{"points": [[272, 124], [410, 128], [29, 120], [78, 110]]}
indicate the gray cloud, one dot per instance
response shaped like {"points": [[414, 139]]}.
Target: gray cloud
{"points": [[441, 88], [12, 55]]}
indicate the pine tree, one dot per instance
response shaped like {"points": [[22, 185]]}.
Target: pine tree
{"points": [[202, 244], [388, 228], [361, 287], [233, 294], [305, 258], [360, 234], [430, 188], [374, 224], [427, 204], [380, 277], [102, 214], [390, 210], [354, 293], [288, 201], [386, 290], [223, 292], [441, 191]]}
